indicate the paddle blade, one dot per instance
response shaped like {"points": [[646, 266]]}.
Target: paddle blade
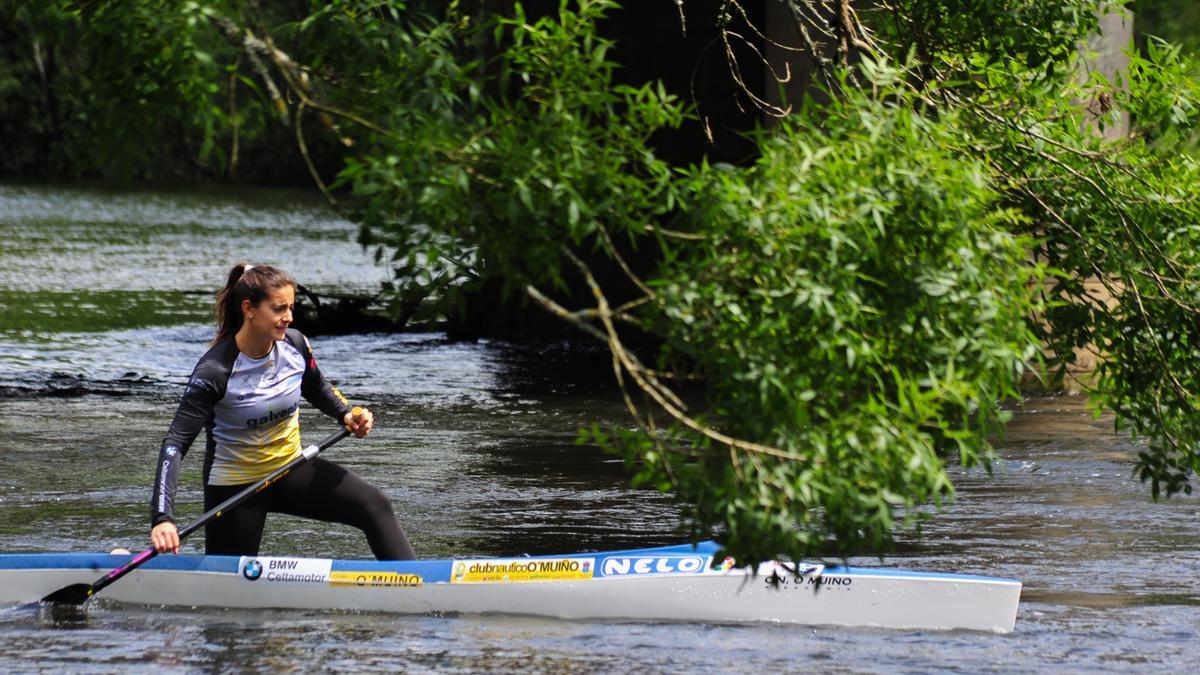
{"points": [[75, 594]]}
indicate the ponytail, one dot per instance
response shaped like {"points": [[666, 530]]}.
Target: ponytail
{"points": [[245, 282]]}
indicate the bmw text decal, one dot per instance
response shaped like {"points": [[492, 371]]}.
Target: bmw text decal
{"points": [[286, 570]]}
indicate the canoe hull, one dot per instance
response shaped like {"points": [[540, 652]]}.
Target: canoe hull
{"points": [[673, 584]]}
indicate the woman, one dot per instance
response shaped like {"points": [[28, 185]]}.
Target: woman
{"points": [[245, 392]]}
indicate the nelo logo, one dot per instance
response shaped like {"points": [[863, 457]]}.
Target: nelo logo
{"points": [[253, 570], [616, 567]]}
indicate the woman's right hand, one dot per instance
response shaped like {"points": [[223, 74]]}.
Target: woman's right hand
{"points": [[165, 537]]}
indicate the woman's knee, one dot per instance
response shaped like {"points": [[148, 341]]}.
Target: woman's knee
{"points": [[375, 503]]}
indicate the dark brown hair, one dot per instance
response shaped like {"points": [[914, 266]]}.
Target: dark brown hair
{"points": [[245, 282]]}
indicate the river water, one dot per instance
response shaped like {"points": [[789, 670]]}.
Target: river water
{"points": [[103, 312]]}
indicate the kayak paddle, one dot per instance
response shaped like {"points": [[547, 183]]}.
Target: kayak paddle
{"points": [[77, 594]]}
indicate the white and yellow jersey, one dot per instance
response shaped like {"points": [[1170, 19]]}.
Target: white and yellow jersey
{"points": [[251, 411], [256, 424]]}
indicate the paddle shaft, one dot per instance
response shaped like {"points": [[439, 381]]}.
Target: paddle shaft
{"points": [[220, 509]]}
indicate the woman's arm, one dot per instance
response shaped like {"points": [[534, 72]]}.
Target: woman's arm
{"points": [[205, 387], [314, 387], [318, 391]]}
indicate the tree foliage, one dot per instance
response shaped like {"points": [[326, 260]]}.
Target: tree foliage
{"points": [[861, 288], [500, 185], [111, 88], [853, 304]]}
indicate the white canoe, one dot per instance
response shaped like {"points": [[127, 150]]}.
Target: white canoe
{"points": [[678, 583]]}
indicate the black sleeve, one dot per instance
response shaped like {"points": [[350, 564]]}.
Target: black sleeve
{"points": [[314, 387], [205, 387]]}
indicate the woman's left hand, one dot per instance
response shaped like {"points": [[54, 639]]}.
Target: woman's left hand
{"points": [[362, 424]]}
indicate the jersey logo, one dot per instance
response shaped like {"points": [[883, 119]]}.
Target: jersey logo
{"points": [[272, 416], [196, 384]]}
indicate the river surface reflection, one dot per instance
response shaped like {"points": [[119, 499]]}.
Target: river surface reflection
{"points": [[476, 446]]}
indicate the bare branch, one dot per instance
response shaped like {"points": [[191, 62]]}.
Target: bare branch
{"points": [[254, 50], [612, 250], [660, 394], [312, 169]]}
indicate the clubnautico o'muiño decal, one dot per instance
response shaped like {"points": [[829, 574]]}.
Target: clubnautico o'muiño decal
{"points": [[522, 569]]}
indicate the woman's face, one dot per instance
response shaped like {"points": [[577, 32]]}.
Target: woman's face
{"points": [[273, 315]]}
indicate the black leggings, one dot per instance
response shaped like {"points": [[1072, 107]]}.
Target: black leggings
{"points": [[317, 489]]}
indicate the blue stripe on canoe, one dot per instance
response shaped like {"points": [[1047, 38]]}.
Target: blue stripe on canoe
{"points": [[101, 561], [431, 570]]}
